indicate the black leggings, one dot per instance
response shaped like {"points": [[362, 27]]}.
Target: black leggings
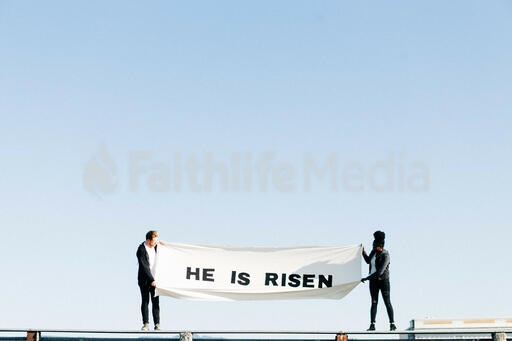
{"points": [[146, 291], [384, 287]]}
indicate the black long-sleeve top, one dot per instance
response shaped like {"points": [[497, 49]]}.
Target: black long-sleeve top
{"points": [[144, 276], [382, 261]]}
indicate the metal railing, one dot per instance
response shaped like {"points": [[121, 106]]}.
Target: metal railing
{"points": [[494, 334]]}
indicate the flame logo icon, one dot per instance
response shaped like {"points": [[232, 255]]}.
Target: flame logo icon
{"points": [[100, 173]]}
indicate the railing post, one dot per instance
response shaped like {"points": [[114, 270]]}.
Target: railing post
{"points": [[500, 336], [33, 335], [185, 336], [341, 337]]}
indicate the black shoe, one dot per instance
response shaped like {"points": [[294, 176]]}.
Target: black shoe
{"points": [[392, 327], [372, 327]]}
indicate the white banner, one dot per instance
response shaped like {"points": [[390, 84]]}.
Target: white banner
{"points": [[226, 273]]}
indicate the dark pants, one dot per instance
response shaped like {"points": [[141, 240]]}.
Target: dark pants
{"points": [[384, 287], [147, 291]]}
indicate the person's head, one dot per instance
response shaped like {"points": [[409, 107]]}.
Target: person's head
{"points": [[151, 238], [378, 245]]}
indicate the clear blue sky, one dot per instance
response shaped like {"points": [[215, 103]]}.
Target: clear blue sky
{"points": [[426, 82]]}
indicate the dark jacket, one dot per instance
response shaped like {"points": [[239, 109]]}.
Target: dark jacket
{"points": [[144, 277], [381, 263]]}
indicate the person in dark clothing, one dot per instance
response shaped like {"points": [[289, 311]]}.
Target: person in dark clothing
{"points": [[146, 254], [378, 261]]}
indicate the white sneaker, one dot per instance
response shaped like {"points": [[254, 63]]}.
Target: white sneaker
{"points": [[145, 327], [157, 326]]}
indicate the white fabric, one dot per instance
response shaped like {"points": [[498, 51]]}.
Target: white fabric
{"points": [[152, 257], [372, 265], [322, 272]]}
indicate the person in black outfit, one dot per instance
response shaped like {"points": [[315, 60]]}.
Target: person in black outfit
{"points": [[378, 261], [146, 254]]}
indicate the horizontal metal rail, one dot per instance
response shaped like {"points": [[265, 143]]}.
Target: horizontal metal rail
{"points": [[480, 334], [267, 332]]}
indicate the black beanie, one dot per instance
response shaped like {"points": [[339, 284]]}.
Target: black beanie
{"points": [[379, 235]]}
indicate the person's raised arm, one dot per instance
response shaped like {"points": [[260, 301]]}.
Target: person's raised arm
{"points": [[366, 257]]}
